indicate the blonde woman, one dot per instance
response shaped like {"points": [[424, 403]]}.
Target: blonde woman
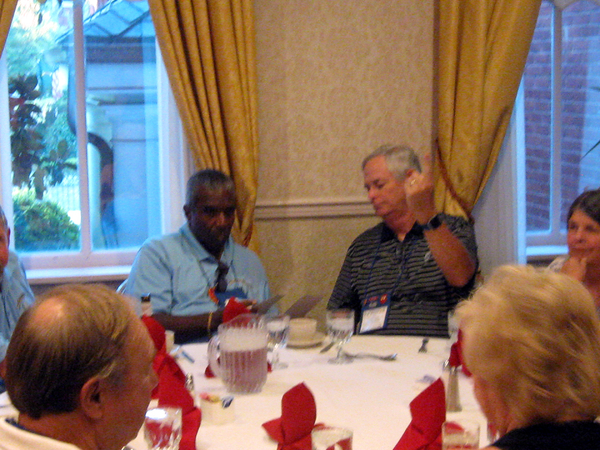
{"points": [[532, 342]]}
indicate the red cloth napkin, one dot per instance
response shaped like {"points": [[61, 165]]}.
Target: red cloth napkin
{"points": [[456, 355], [233, 308], [428, 412], [298, 415], [171, 390]]}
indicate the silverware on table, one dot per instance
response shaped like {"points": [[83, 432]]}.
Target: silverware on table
{"points": [[423, 348], [327, 347], [391, 357]]}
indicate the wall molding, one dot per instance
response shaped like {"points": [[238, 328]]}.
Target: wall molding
{"points": [[313, 208]]}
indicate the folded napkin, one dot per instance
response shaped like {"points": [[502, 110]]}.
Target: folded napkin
{"points": [[232, 309], [298, 415], [456, 355], [428, 412], [171, 390]]}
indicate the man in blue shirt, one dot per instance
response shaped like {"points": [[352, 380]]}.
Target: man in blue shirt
{"points": [[191, 273], [14, 290]]}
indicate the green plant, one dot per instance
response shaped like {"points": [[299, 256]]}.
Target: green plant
{"points": [[42, 224], [33, 134]]}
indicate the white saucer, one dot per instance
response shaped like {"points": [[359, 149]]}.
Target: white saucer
{"points": [[316, 339]]}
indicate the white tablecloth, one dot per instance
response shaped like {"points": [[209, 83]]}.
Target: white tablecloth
{"points": [[368, 396]]}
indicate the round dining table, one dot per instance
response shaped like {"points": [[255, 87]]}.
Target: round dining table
{"points": [[369, 396]]}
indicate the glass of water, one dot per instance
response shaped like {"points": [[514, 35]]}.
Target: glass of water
{"points": [[460, 435], [279, 329], [325, 437], [340, 327], [162, 428]]}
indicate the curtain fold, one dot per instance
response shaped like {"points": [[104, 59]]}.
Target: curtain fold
{"points": [[482, 53], [208, 50], [7, 10]]}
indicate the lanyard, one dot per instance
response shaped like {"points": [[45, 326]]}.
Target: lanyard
{"points": [[403, 261]]}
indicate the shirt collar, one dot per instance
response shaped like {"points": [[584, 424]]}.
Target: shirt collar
{"points": [[199, 249], [387, 234]]}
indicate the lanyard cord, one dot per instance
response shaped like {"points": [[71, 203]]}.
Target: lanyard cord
{"points": [[204, 274], [402, 265]]}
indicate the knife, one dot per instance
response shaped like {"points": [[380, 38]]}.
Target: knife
{"points": [[327, 347]]}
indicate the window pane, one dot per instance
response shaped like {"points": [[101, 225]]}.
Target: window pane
{"points": [[122, 124], [43, 144], [580, 101], [121, 112], [537, 81]]}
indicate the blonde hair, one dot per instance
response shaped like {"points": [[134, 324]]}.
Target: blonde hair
{"points": [[534, 336]]}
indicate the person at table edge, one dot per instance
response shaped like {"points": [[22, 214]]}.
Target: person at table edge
{"points": [[79, 372], [14, 289], [405, 274], [190, 274]]}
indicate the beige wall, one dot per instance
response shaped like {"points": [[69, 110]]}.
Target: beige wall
{"points": [[336, 79]]}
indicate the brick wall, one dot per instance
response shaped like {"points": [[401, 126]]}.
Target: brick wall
{"points": [[580, 109]]}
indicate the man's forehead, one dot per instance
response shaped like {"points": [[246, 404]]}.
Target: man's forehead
{"points": [[218, 197]]}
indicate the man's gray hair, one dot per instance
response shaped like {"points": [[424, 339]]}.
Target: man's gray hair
{"points": [[399, 159], [209, 180], [51, 356]]}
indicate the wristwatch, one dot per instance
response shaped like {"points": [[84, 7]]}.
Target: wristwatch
{"points": [[432, 224]]}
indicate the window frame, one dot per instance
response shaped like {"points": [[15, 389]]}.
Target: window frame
{"points": [[544, 245], [174, 168]]}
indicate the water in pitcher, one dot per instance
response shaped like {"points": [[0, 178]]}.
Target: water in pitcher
{"points": [[244, 361]]}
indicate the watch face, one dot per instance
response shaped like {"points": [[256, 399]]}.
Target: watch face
{"points": [[433, 223]]}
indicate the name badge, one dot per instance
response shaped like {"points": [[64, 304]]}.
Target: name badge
{"points": [[374, 313]]}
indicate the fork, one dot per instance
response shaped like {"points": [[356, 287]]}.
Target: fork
{"points": [[391, 357]]}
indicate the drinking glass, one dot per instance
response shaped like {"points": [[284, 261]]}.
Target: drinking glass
{"points": [[279, 329], [162, 428], [325, 437], [340, 326], [460, 435]]}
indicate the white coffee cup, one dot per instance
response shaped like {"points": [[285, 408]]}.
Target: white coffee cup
{"points": [[302, 329]]}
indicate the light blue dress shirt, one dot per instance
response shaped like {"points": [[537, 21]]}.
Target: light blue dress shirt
{"points": [[16, 298], [177, 272]]}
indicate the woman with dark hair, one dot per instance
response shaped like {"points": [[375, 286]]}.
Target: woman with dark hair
{"points": [[583, 240]]}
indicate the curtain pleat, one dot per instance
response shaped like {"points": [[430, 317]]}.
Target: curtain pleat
{"points": [[208, 50], [7, 10], [482, 53]]}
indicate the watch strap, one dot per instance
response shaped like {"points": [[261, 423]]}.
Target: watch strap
{"points": [[433, 223]]}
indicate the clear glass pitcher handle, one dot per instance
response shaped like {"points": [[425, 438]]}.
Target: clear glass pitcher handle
{"points": [[213, 355]]}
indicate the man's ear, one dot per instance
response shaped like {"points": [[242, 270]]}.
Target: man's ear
{"points": [[187, 211], [7, 237], [92, 397]]}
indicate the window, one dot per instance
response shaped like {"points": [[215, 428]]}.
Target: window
{"points": [[89, 174], [561, 105]]}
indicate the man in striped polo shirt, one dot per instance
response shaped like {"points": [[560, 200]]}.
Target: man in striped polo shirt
{"points": [[405, 274]]}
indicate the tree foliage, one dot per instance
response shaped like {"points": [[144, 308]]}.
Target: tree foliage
{"points": [[42, 224]]}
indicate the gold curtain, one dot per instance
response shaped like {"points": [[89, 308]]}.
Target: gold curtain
{"points": [[208, 49], [7, 10], [482, 53]]}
